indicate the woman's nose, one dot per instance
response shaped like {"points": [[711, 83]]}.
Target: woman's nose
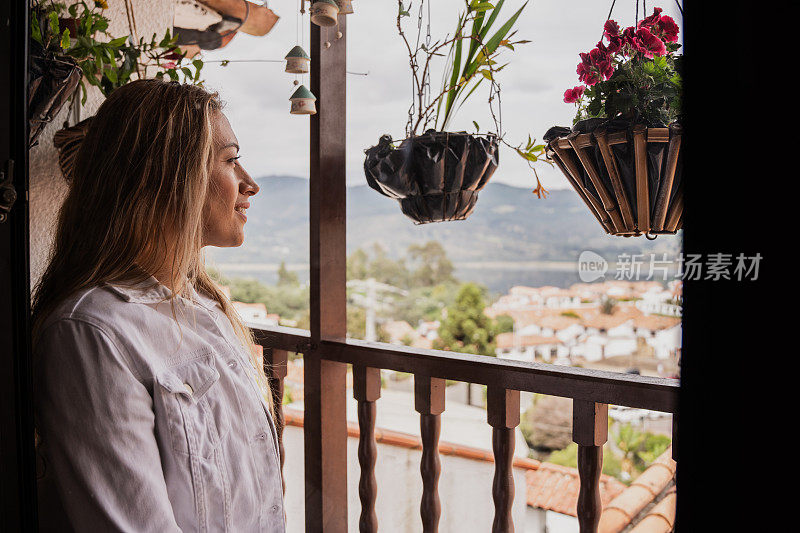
{"points": [[250, 185]]}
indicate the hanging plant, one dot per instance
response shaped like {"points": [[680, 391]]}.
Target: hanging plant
{"points": [[622, 154], [436, 175], [107, 62]]}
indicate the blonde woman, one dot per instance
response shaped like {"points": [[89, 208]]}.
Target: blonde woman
{"points": [[152, 410]]}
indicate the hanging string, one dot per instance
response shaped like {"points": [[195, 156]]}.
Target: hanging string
{"points": [[613, 2], [679, 7], [637, 13]]}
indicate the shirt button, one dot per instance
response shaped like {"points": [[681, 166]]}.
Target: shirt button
{"points": [[262, 436], [275, 508], [189, 388], [232, 363]]}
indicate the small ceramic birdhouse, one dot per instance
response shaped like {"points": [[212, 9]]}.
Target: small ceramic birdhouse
{"points": [[324, 12], [345, 6], [297, 61], [303, 102]]}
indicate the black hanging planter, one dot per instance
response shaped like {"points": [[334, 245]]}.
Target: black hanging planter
{"points": [[435, 176], [52, 79]]}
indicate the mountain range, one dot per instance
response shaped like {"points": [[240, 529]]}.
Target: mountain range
{"points": [[509, 229]]}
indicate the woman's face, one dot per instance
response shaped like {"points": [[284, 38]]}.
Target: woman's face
{"points": [[230, 188]]}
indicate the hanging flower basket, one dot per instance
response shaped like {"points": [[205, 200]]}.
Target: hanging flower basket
{"points": [[629, 176], [435, 176], [623, 154]]}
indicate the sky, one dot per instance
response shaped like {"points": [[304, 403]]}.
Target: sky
{"points": [[273, 142]]}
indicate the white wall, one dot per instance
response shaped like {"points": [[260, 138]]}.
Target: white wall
{"points": [[47, 186], [465, 489]]}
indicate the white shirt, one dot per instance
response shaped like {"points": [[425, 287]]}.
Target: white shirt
{"points": [[146, 426]]}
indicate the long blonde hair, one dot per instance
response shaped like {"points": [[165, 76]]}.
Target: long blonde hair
{"points": [[137, 191]]}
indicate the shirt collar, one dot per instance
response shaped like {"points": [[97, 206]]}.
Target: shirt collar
{"points": [[150, 291]]}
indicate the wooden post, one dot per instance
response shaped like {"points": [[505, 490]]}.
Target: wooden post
{"points": [[590, 432], [275, 363], [367, 390], [429, 403], [502, 409], [325, 423]]}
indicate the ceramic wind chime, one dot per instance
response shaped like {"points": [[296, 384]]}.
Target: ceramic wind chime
{"points": [[324, 12], [303, 102], [298, 62]]}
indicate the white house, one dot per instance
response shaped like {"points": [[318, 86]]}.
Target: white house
{"points": [[529, 347]]}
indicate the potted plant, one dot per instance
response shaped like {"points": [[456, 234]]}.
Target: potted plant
{"points": [[80, 32], [622, 154], [436, 175], [71, 46]]}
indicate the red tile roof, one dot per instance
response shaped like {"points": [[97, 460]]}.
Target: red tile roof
{"points": [[555, 488], [623, 509]]}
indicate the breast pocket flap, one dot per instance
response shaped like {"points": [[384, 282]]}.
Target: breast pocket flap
{"points": [[191, 380]]}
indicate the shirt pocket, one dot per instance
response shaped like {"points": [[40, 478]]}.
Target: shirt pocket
{"points": [[193, 406]]}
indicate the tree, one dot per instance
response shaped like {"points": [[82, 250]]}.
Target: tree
{"points": [[466, 328], [357, 265], [433, 266], [505, 324], [386, 270], [286, 277]]}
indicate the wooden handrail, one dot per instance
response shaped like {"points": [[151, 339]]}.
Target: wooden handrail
{"points": [[630, 390]]}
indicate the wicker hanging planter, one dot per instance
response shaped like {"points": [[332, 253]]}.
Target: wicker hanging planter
{"points": [[629, 178], [435, 176]]}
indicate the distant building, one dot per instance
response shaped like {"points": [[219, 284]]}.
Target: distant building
{"points": [[256, 313], [529, 347]]}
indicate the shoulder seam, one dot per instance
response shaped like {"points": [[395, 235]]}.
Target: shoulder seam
{"points": [[92, 321]]}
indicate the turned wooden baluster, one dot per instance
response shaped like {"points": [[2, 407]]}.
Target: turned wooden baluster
{"points": [[366, 390], [502, 409], [429, 403], [275, 367], [590, 432]]}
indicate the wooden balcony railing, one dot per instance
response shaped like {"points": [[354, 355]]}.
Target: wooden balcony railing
{"points": [[591, 391]]}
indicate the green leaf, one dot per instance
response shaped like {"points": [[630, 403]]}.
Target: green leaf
{"points": [[65, 39], [477, 128], [118, 42], [494, 42], [483, 6], [187, 72], [198, 64], [111, 74], [453, 88], [53, 19], [172, 74]]}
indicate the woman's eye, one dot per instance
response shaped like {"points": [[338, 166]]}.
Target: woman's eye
{"points": [[234, 159]]}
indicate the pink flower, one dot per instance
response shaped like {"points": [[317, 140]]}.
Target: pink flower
{"points": [[573, 95], [610, 29], [614, 44], [606, 69], [597, 56], [591, 78], [651, 20], [169, 65], [648, 44], [668, 29], [629, 37]]}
